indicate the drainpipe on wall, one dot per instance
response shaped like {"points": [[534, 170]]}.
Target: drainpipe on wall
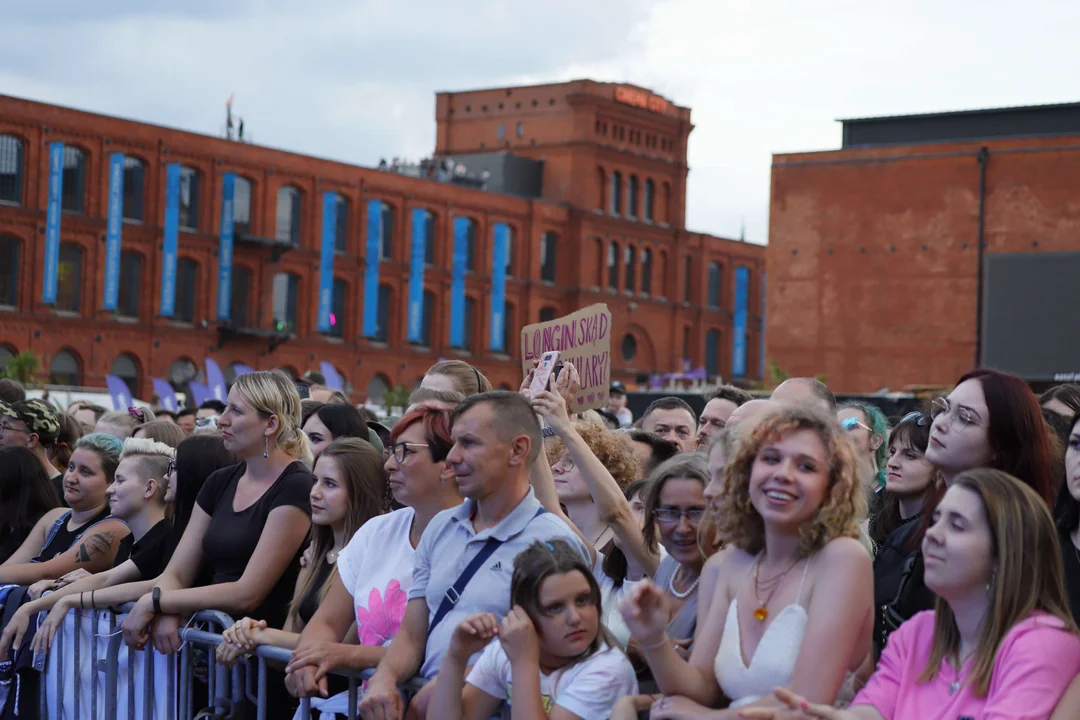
{"points": [[983, 156]]}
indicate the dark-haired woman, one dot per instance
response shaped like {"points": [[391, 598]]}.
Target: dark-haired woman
{"points": [[25, 495], [331, 422], [1062, 399], [1067, 515], [910, 483]]}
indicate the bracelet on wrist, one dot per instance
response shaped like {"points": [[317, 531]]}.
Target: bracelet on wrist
{"points": [[664, 640]]}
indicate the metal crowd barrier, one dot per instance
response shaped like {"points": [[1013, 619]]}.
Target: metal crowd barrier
{"points": [[121, 672]]}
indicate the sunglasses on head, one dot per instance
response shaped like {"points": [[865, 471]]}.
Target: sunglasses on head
{"points": [[919, 418], [850, 423]]}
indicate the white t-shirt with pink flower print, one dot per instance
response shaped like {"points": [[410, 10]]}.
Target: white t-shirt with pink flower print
{"points": [[377, 567]]}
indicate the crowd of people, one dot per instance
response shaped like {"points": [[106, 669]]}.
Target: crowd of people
{"points": [[779, 557]]}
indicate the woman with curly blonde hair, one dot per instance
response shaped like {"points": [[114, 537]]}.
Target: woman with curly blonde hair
{"points": [[791, 559]]}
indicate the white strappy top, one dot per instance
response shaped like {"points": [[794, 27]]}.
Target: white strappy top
{"points": [[773, 663]]}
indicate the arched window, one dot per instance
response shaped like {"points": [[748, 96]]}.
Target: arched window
{"points": [[547, 256], [629, 261], [613, 266], [134, 188], [126, 368], [547, 314], [629, 348], [9, 270], [427, 314], [73, 195], [386, 246], [130, 288], [64, 369], [615, 201], [713, 299], [11, 169], [646, 271], [601, 185], [189, 198], [187, 285], [712, 353], [286, 291], [633, 192], [337, 308], [382, 327], [341, 224], [469, 320], [181, 373], [69, 278], [242, 206], [287, 226], [650, 193], [240, 298], [376, 389]]}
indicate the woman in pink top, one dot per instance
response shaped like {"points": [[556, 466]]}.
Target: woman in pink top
{"points": [[1001, 643]]}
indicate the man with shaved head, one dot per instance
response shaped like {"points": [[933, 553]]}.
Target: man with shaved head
{"points": [[805, 391]]}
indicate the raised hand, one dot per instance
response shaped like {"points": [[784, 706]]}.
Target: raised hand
{"points": [[552, 407], [518, 637], [647, 613], [568, 383], [473, 634]]}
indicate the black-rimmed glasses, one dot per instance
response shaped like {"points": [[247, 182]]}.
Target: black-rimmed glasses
{"points": [[398, 450]]}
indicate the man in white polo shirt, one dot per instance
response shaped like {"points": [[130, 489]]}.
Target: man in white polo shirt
{"points": [[496, 439]]}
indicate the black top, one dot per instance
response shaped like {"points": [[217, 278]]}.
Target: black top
{"points": [[64, 538], [58, 481], [232, 536], [1071, 555], [152, 551], [889, 565], [310, 603]]}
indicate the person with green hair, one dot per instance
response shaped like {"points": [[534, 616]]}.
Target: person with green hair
{"points": [[868, 431]]}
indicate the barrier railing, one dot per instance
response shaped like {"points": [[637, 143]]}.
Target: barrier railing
{"points": [[125, 686]]}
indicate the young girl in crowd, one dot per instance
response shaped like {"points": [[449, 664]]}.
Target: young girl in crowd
{"points": [[1001, 642], [455, 375], [897, 531], [162, 431], [1063, 400], [348, 492], [792, 604], [330, 422], [180, 480], [83, 537], [1067, 515], [26, 494], [375, 568], [990, 419], [248, 527], [122, 424], [867, 429], [549, 657]]}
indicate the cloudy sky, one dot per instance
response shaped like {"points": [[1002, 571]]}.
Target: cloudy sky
{"points": [[355, 79]]}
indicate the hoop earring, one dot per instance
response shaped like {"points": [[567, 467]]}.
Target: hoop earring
{"points": [[266, 446]]}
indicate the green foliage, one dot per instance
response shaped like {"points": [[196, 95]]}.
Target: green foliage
{"points": [[22, 368], [397, 396], [774, 374]]}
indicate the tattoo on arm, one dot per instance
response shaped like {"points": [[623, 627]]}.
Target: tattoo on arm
{"points": [[96, 544]]}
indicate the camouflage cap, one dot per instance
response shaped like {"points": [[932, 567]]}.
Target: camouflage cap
{"points": [[40, 417], [8, 411]]}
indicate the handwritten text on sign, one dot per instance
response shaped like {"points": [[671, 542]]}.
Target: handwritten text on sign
{"points": [[584, 339]]}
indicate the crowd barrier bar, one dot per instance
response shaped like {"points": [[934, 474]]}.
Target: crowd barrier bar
{"points": [[227, 686]]}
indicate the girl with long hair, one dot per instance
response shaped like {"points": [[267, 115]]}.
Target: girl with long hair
{"points": [[332, 422], [792, 590], [1000, 642], [375, 568], [348, 491], [550, 652], [25, 495]]}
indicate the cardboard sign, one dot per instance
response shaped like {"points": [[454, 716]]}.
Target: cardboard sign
{"points": [[584, 339]]}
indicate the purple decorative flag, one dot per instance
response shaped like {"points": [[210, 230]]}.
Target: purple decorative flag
{"points": [[166, 395], [215, 380], [119, 391], [241, 369], [333, 379], [199, 394]]}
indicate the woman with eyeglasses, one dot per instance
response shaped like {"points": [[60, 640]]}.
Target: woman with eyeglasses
{"points": [[792, 589], [911, 483], [867, 430], [375, 568]]}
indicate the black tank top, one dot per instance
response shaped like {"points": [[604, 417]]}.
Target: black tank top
{"points": [[310, 603], [64, 538]]}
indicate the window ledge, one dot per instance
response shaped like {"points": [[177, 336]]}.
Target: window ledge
{"points": [[382, 344], [67, 313], [8, 308], [10, 203], [333, 339], [126, 319]]}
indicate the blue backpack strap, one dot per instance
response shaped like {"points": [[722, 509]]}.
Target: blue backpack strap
{"points": [[453, 594], [56, 528]]}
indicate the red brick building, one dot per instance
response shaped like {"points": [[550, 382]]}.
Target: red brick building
{"points": [[875, 265], [589, 177]]}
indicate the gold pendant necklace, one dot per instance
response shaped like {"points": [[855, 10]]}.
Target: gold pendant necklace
{"points": [[762, 610]]}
